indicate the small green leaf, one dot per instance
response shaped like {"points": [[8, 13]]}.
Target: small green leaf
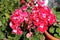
{"points": [[51, 30], [10, 38], [58, 30], [17, 37], [58, 15], [56, 35], [1, 35], [59, 34], [0, 23], [3, 28], [7, 15]]}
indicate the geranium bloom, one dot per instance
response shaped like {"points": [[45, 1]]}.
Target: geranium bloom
{"points": [[40, 17], [17, 18], [24, 7], [51, 19], [42, 27], [29, 35]]}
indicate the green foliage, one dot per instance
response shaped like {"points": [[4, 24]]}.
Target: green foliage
{"points": [[55, 30], [6, 8], [58, 30], [2, 35], [56, 35], [37, 36], [57, 13], [51, 30]]}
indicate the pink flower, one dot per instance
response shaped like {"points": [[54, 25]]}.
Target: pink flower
{"points": [[51, 19], [18, 31], [42, 30], [41, 3], [41, 17], [29, 35], [37, 21], [24, 7], [16, 19], [42, 27]]}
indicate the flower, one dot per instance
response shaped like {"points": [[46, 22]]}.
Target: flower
{"points": [[24, 7], [16, 29], [51, 19], [40, 18], [16, 20], [42, 27], [29, 35]]}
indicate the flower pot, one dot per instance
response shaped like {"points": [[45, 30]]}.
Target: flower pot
{"points": [[50, 37]]}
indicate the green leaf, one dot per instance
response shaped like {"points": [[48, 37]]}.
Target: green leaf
{"points": [[7, 15], [51, 29], [10, 38], [17, 37], [58, 15], [56, 35], [0, 23], [1, 35], [59, 34], [3, 28], [37, 36], [58, 30]]}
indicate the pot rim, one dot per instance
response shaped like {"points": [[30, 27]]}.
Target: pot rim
{"points": [[49, 36]]}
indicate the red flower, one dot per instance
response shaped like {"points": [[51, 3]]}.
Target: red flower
{"points": [[18, 31], [36, 21], [42, 27], [51, 19], [40, 16], [17, 17], [24, 7], [41, 3]]}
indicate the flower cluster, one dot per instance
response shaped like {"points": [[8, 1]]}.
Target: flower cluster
{"points": [[17, 18], [40, 18]]}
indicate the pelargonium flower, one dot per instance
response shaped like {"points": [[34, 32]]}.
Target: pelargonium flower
{"points": [[42, 27], [29, 35], [16, 19], [51, 19], [24, 7], [40, 17]]}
